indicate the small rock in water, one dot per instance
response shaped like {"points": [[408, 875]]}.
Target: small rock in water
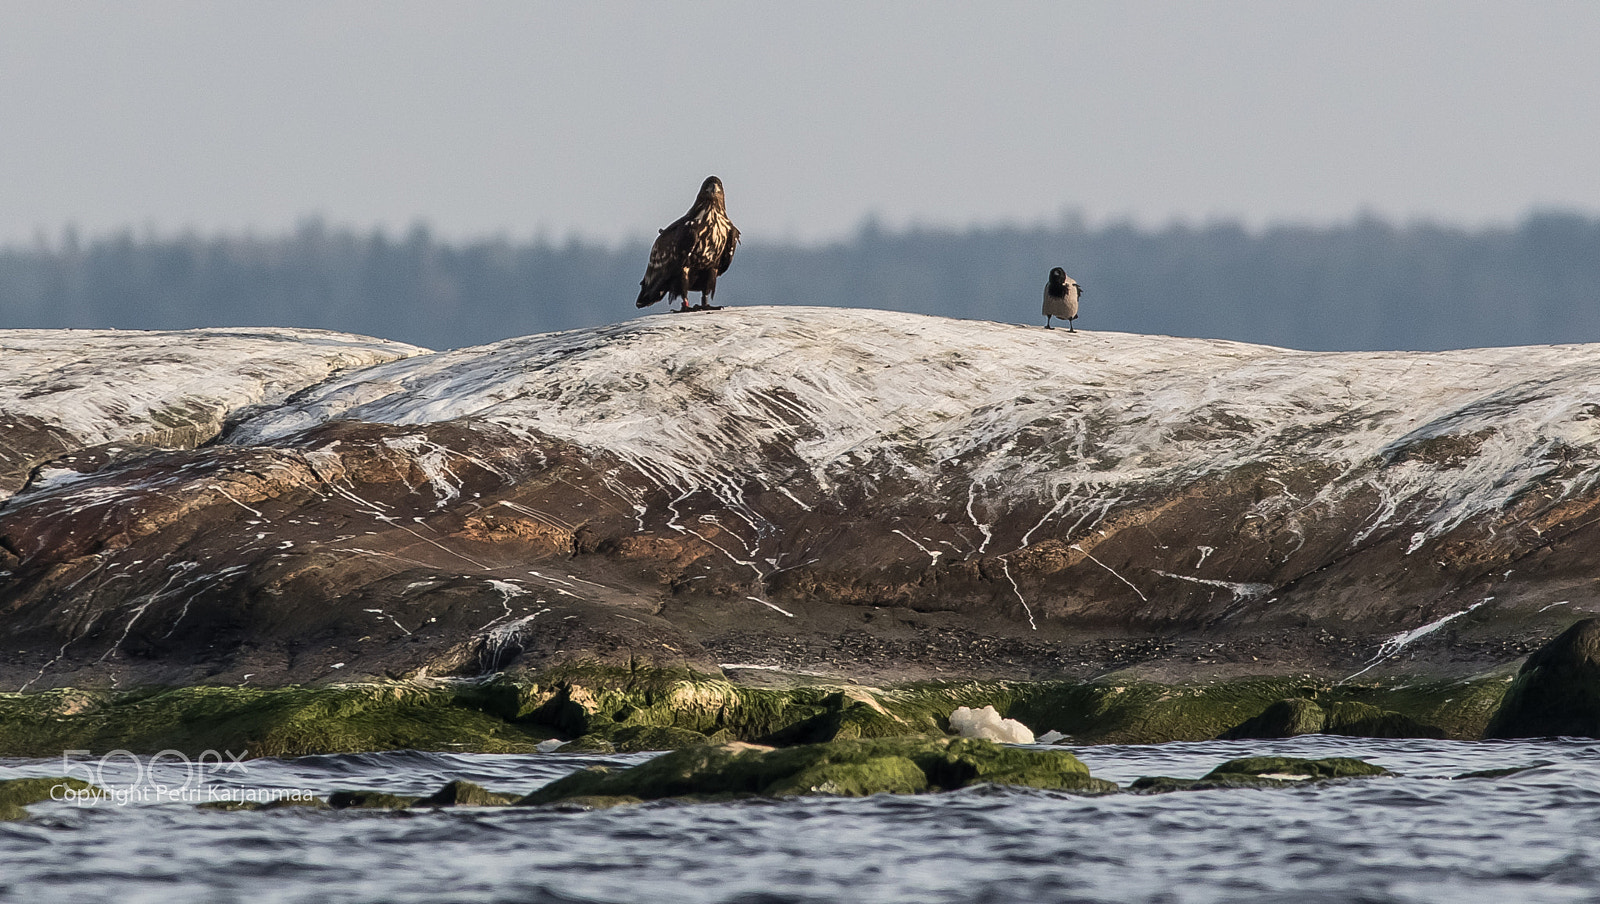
{"points": [[986, 724], [1050, 737], [550, 746]]}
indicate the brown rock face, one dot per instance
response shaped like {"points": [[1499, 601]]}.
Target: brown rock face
{"points": [[332, 557], [845, 493]]}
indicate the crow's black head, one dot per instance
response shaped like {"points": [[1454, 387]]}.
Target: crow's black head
{"points": [[1058, 277]]}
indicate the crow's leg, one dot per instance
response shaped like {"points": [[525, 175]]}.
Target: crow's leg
{"points": [[1047, 322]]}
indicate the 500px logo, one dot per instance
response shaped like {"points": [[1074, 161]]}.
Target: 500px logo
{"points": [[123, 777]]}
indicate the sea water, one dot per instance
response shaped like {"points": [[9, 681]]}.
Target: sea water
{"points": [[1424, 835]]}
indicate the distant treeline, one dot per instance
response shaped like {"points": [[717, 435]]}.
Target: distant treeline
{"points": [[1368, 284]]}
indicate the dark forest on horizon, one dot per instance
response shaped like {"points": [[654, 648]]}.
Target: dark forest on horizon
{"points": [[1363, 285]]}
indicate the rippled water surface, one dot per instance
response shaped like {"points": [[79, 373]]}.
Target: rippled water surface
{"points": [[1422, 836]]}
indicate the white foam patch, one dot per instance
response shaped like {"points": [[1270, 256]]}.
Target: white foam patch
{"points": [[987, 724]]}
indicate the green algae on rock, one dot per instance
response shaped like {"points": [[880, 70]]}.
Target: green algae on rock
{"points": [[17, 793], [461, 793], [281, 803], [284, 721], [851, 768], [1320, 769], [611, 704], [1262, 772], [1502, 772], [1299, 716], [1284, 718], [584, 802], [1129, 711], [603, 710], [369, 800], [624, 710], [457, 793]]}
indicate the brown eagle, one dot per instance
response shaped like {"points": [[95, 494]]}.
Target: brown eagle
{"points": [[689, 255]]}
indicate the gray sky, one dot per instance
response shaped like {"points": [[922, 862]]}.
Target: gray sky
{"points": [[601, 119]]}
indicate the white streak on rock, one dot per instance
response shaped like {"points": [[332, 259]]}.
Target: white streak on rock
{"points": [[389, 617], [178, 570], [1112, 570], [496, 640], [1400, 641], [1239, 591], [793, 498], [434, 461], [231, 499], [933, 554], [772, 606], [1006, 567], [983, 528]]}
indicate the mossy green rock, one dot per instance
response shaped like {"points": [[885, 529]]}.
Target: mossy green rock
{"points": [[639, 738], [632, 710], [594, 802], [369, 800], [696, 710], [1326, 768], [1285, 718], [841, 718], [1557, 691], [1499, 773], [282, 803], [1362, 720], [1163, 784], [875, 775], [465, 794], [589, 744], [1294, 716], [284, 721], [845, 768], [1129, 711], [17, 793], [505, 699], [1262, 772]]}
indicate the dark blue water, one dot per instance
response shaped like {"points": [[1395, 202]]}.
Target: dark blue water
{"points": [[1420, 837]]}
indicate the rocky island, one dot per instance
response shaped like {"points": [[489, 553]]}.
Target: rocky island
{"points": [[774, 524]]}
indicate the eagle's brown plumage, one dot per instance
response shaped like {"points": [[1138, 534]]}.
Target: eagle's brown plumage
{"points": [[689, 255]]}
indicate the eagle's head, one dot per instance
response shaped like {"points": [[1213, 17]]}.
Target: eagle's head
{"points": [[711, 190], [1058, 277]]}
